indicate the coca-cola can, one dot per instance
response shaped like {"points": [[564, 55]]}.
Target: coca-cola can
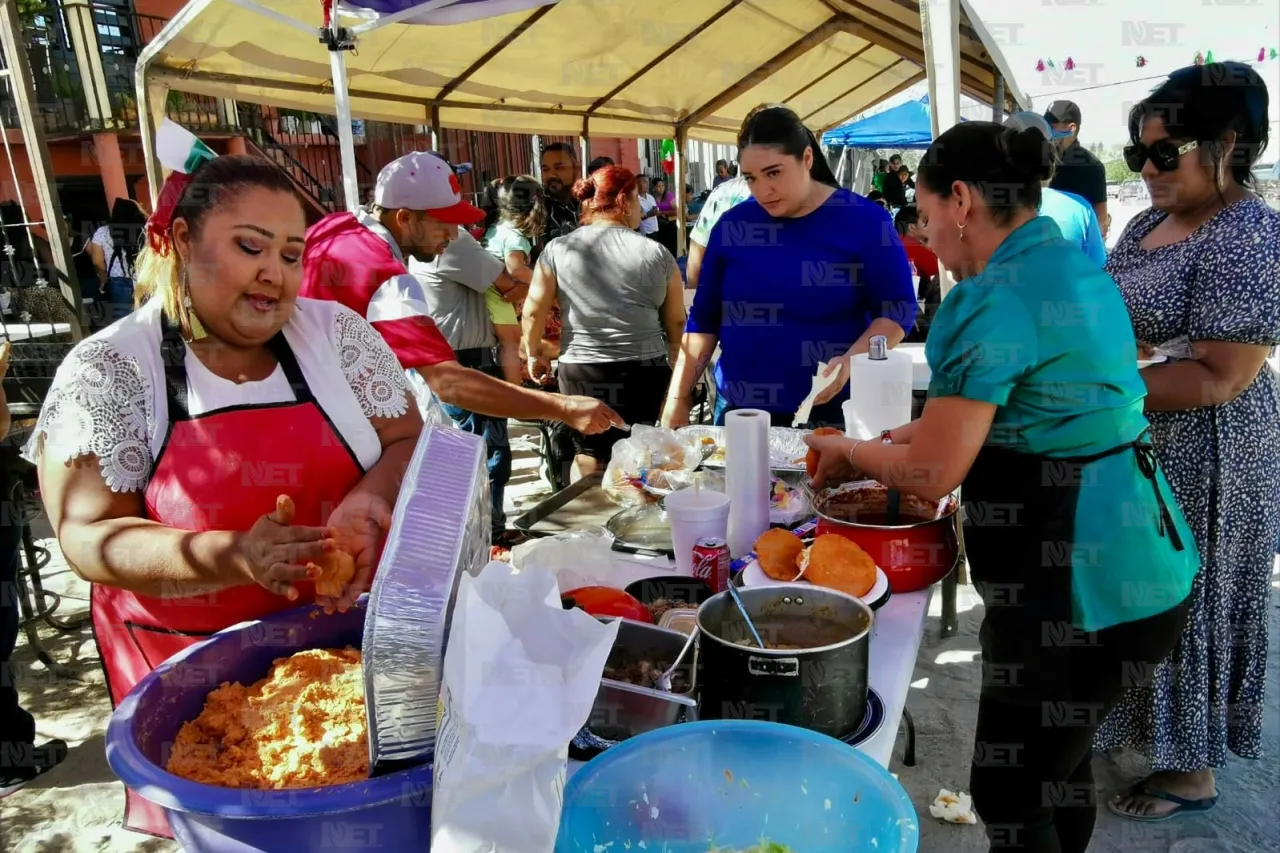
{"points": [[711, 562]]}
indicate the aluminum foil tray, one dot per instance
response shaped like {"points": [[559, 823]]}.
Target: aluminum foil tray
{"points": [[439, 530], [786, 446]]}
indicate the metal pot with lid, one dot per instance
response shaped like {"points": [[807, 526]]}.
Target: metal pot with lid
{"points": [[813, 671]]}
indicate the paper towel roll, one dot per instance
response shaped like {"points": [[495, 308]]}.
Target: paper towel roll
{"points": [[747, 477], [879, 394]]}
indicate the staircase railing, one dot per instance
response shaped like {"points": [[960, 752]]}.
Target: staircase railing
{"points": [[321, 196]]}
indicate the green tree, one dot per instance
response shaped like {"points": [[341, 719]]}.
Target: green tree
{"points": [[1118, 171], [29, 10]]}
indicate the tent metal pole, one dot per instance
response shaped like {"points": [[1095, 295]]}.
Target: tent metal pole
{"points": [[997, 103], [339, 41], [682, 197], [21, 86], [939, 20]]}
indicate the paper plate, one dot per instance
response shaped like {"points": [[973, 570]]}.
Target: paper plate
{"points": [[753, 575], [1147, 362]]}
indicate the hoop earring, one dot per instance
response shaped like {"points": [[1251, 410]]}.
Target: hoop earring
{"points": [[960, 227], [193, 321]]}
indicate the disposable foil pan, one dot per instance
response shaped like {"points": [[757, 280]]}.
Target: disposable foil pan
{"points": [[439, 530], [786, 446]]}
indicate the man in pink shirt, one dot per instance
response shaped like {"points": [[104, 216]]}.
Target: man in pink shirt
{"points": [[359, 260]]}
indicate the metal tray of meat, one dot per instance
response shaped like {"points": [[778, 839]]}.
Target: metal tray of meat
{"points": [[786, 446], [623, 709]]}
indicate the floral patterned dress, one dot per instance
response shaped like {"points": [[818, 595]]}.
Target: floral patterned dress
{"points": [[1222, 283]]}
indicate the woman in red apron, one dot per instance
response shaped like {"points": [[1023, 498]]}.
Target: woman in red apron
{"points": [[218, 395]]}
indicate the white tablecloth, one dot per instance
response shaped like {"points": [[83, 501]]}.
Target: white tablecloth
{"points": [[895, 643]]}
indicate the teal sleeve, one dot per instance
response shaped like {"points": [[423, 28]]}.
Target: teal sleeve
{"points": [[516, 242], [1094, 245], [982, 342]]}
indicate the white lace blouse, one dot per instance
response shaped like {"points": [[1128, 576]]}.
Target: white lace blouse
{"points": [[108, 397]]}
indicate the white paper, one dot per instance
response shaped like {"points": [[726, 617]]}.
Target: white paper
{"points": [[953, 807], [879, 394], [747, 477], [819, 384], [520, 677]]}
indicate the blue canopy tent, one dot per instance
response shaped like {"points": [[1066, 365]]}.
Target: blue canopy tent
{"points": [[908, 125]]}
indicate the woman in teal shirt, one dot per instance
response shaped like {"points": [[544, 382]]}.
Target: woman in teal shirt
{"points": [[1074, 539]]}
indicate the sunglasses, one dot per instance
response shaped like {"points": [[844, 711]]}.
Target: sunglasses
{"points": [[1163, 154]]}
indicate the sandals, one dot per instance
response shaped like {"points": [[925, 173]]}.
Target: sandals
{"points": [[1183, 805]]}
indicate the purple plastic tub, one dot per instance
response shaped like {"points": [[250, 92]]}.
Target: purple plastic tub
{"points": [[392, 812]]}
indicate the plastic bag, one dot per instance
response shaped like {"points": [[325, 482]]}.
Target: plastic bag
{"points": [[575, 559], [649, 458], [520, 677]]}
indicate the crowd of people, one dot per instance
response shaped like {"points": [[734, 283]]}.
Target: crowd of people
{"points": [[322, 349]]}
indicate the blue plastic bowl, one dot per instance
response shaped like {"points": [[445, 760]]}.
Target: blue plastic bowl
{"points": [[391, 813], [734, 784]]}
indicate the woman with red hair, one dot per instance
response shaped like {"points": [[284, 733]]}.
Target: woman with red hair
{"points": [[621, 309]]}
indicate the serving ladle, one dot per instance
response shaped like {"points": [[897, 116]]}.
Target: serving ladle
{"points": [[742, 608], [664, 680]]}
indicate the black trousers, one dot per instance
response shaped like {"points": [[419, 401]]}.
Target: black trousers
{"points": [[1032, 779], [17, 727], [1046, 685], [633, 389]]}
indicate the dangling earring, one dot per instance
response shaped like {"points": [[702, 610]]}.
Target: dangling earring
{"points": [[960, 226], [193, 321]]}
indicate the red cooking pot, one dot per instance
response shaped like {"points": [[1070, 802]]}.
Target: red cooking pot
{"points": [[915, 552]]}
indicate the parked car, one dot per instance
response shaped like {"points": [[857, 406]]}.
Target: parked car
{"points": [[1134, 190]]}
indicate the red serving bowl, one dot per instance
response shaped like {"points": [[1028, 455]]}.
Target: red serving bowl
{"points": [[915, 553]]}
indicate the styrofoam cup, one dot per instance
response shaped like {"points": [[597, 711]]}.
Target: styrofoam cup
{"points": [[695, 514]]}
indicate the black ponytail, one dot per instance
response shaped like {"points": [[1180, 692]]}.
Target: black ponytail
{"points": [[1004, 165], [778, 126]]}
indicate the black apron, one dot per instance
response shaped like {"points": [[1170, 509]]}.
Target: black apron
{"points": [[1019, 535]]}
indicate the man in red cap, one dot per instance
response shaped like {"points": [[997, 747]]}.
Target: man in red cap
{"points": [[359, 260]]}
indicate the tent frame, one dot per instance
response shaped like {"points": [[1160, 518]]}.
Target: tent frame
{"points": [[338, 40]]}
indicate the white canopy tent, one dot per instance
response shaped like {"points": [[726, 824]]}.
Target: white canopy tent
{"points": [[635, 68]]}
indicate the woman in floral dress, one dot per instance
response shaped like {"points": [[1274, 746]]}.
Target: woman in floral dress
{"points": [[1203, 265]]}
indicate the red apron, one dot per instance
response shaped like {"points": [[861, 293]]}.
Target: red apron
{"points": [[221, 470]]}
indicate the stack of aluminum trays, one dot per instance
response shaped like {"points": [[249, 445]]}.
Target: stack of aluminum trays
{"points": [[439, 530]]}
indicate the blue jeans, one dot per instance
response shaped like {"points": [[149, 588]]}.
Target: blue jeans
{"points": [[120, 293], [494, 433]]}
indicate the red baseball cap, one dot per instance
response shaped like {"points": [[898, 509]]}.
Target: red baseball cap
{"points": [[424, 181]]}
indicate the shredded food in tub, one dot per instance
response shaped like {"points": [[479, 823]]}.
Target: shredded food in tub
{"points": [[302, 726]]}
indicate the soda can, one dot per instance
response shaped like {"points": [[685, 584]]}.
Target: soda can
{"points": [[711, 563]]}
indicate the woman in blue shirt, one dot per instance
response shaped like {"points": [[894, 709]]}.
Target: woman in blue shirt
{"points": [[801, 273], [1074, 538]]}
